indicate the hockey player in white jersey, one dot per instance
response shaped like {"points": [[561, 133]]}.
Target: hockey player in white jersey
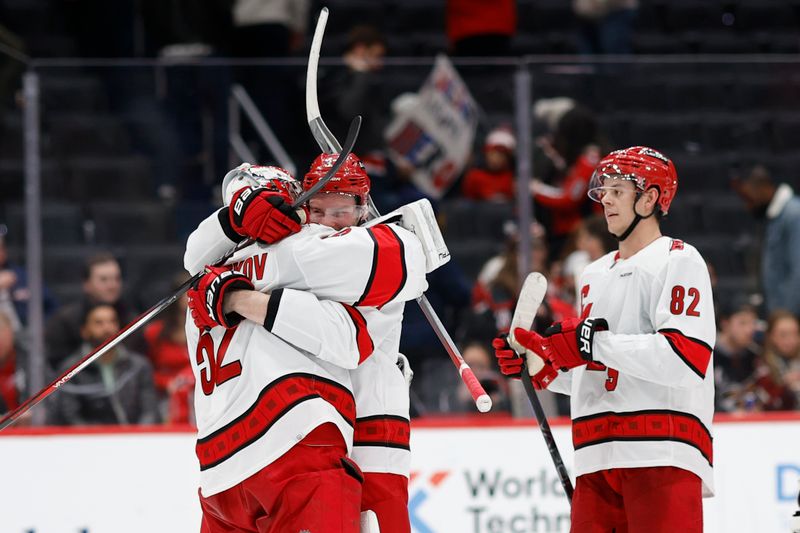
{"points": [[637, 364], [382, 432], [274, 403]]}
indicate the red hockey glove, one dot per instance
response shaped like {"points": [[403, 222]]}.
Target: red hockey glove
{"points": [[208, 294], [568, 343], [264, 215], [511, 363]]}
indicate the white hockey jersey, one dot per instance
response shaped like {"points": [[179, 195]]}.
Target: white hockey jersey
{"points": [[290, 374], [648, 400], [383, 430]]}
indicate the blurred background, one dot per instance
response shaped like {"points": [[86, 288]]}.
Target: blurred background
{"points": [[119, 119]]}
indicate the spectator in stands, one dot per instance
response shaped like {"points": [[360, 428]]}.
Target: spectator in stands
{"points": [[458, 399], [13, 358], [735, 355], [592, 241], [14, 294], [102, 283], [359, 89], [7, 365], [575, 150], [477, 28], [269, 28], [778, 371], [496, 181], [172, 371], [115, 389], [495, 292], [605, 26], [781, 252]]}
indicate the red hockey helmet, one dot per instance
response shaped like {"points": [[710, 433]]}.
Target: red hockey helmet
{"points": [[644, 166], [351, 178]]}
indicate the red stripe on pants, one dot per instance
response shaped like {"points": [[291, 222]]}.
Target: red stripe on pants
{"points": [[642, 426], [275, 400]]}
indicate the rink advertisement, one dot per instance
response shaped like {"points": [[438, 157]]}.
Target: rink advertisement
{"points": [[467, 483], [476, 475]]}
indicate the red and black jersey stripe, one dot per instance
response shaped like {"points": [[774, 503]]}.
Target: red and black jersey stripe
{"points": [[694, 352], [274, 401], [363, 339], [648, 425], [388, 431], [389, 272]]}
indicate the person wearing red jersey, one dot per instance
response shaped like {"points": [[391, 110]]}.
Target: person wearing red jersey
{"points": [[574, 152], [496, 181], [385, 277], [637, 364]]}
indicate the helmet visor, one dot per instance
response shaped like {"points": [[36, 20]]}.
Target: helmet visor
{"points": [[610, 179]]}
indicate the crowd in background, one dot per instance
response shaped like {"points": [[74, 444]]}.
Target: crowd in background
{"points": [[148, 379]]}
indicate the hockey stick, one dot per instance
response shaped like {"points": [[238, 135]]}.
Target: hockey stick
{"points": [[530, 298], [328, 144], [147, 316], [325, 138]]}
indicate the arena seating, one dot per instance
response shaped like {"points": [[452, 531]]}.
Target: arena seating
{"points": [[98, 185]]}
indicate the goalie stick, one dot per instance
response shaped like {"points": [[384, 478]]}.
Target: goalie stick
{"points": [[151, 313], [530, 298], [329, 145]]}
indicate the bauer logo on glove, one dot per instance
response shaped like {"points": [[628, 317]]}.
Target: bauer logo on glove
{"points": [[569, 343], [263, 214], [207, 297]]}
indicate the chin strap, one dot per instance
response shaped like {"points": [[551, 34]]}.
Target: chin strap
{"points": [[636, 219], [627, 232]]}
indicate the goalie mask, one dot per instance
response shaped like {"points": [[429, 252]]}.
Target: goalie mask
{"points": [[269, 177], [350, 179], [646, 168]]}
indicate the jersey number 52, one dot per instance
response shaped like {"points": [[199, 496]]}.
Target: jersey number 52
{"points": [[212, 372]]}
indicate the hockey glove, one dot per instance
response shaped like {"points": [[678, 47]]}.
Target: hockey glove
{"points": [[405, 368], [511, 363], [264, 215], [568, 343], [208, 294]]}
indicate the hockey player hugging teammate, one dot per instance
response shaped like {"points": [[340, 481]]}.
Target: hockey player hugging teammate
{"points": [[302, 375]]}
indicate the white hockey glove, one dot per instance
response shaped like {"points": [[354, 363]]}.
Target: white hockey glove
{"points": [[418, 218], [405, 368]]}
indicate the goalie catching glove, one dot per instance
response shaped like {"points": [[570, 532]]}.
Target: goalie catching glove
{"points": [[511, 363], [566, 344], [207, 296], [263, 214]]}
